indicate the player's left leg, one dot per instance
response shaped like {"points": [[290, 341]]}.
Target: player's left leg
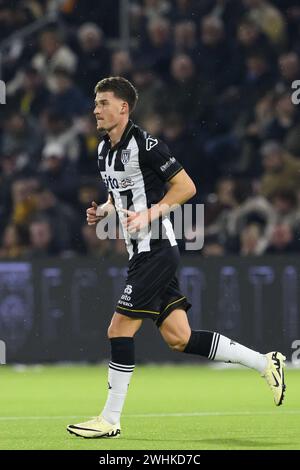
{"points": [[177, 333], [121, 333]]}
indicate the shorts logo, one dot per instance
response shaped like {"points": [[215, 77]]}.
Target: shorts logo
{"points": [[128, 289], [127, 304], [126, 297], [125, 156], [150, 143]]}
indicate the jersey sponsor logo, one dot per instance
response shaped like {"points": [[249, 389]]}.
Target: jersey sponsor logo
{"points": [[125, 182], [113, 183], [125, 156], [166, 165], [150, 143]]}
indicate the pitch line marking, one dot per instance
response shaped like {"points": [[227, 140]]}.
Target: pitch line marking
{"points": [[160, 415]]}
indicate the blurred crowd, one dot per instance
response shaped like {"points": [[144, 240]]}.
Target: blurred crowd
{"points": [[215, 83]]}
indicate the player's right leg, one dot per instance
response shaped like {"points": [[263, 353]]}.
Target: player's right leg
{"points": [[176, 331], [120, 333]]}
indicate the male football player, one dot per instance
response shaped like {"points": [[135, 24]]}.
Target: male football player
{"points": [[136, 168]]}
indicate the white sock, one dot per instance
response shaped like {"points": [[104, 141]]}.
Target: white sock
{"points": [[119, 376], [226, 350]]}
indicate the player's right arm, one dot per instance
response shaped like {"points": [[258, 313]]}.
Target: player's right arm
{"points": [[97, 212]]}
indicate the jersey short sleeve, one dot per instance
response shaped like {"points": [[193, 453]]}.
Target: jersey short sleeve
{"points": [[158, 157]]}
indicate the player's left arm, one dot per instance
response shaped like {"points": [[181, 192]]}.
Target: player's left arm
{"points": [[181, 189]]}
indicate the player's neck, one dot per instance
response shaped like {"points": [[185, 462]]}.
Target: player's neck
{"points": [[116, 133]]}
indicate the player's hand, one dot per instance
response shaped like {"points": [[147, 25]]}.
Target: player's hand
{"points": [[135, 221], [96, 213], [91, 214]]}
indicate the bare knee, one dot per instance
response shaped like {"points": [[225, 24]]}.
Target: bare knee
{"points": [[176, 330], [123, 326], [113, 331], [177, 343]]}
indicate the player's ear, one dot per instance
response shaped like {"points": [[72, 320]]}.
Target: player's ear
{"points": [[124, 107]]}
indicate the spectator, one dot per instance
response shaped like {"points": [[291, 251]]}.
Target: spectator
{"points": [[42, 243], [32, 96], [93, 57], [150, 90], [269, 19], [60, 129], [22, 137], [188, 9], [219, 203], [285, 126], [153, 9], [215, 55], [53, 54], [156, 49], [13, 244], [93, 246], [281, 170], [254, 210], [251, 39], [90, 189], [186, 94], [62, 218], [185, 37], [177, 136], [23, 200], [67, 98], [283, 240], [286, 207], [250, 239], [152, 123], [259, 79], [289, 68], [58, 174], [212, 247], [121, 64], [88, 144]]}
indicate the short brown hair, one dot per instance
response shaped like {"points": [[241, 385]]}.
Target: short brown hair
{"points": [[122, 89]]}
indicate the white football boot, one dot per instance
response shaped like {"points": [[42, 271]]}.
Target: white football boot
{"points": [[96, 427], [274, 375]]}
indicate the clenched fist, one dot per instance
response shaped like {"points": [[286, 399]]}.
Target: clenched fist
{"points": [[95, 213]]}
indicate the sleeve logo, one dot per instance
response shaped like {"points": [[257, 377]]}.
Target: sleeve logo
{"points": [[167, 164], [150, 143]]}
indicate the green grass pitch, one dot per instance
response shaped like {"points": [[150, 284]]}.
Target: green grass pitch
{"points": [[167, 407]]}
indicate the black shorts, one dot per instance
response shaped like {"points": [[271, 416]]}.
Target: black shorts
{"points": [[152, 289]]}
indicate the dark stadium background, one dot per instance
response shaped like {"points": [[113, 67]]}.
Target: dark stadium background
{"points": [[215, 82]]}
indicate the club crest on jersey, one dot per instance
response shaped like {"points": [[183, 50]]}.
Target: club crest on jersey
{"points": [[125, 156], [150, 143]]}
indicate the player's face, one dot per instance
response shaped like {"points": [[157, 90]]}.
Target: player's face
{"points": [[109, 110]]}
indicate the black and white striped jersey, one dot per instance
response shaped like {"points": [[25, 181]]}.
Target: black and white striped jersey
{"points": [[135, 172]]}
